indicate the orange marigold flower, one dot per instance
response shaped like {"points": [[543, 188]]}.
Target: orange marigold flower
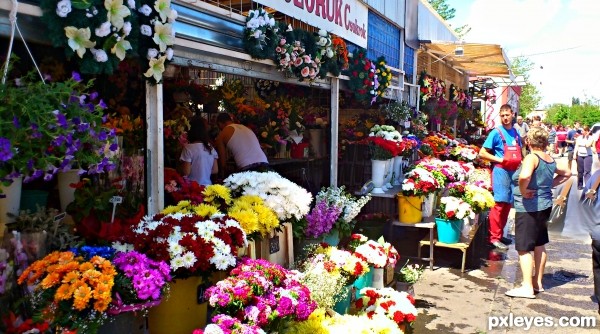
{"points": [[51, 280], [81, 297]]}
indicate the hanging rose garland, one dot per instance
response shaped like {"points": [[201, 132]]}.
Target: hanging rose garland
{"points": [[101, 33], [362, 76], [294, 55], [261, 34]]}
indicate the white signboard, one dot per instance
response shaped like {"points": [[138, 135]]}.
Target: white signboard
{"points": [[345, 18]]}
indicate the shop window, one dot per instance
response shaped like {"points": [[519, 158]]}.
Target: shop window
{"points": [[384, 40], [409, 62]]}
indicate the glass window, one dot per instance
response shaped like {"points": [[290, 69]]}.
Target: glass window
{"points": [[409, 59], [384, 40]]}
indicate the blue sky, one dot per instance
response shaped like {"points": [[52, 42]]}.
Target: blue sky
{"points": [[561, 37]]}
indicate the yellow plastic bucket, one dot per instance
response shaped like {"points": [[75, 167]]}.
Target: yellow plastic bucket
{"points": [[409, 208]]}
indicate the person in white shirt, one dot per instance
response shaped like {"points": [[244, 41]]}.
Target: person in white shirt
{"points": [[583, 150], [198, 159]]}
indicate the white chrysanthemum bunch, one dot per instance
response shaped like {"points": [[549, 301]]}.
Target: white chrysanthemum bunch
{"points": [[454, 208], [373, 253], [283, 196], [386, 132]]}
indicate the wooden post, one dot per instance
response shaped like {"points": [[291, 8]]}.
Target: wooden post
{"points": [[335, 113], [154, 148]]}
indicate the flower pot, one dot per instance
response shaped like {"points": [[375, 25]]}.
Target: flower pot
{"points": [[10, 202], [389, 171], [345, 297], [448, 231], [65, 192], [378, 278], [406, 287], [333, 237], [316, 138], [185, 309], [378, 175], [364, 281], [429, 202], [409, 208], [397, 169]]}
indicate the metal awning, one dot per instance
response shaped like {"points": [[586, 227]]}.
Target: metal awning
{"points": [[472, 58]]}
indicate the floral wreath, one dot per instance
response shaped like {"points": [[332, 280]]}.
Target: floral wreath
{"points": [[431, 87], [362, 76], [261, 34], [111, 31], [296, 57], [384, 76]]}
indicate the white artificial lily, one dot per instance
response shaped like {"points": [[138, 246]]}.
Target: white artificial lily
{"points": [[163, 36], [157, 67], [163, 7], [116, 12], [79, 39], [120, 48]]}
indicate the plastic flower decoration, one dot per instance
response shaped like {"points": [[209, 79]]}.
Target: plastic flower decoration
{"points": [[157, 35], [362, 73], [394, 305], [261, 34], [384, 76], [101, 32], [453, 208]]}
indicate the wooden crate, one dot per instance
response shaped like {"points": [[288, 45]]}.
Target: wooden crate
{"points": [[278, 248]]}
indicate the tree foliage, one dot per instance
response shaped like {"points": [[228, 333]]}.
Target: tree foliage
{"points": [[442, 8], [586, 114], [530, 95]]}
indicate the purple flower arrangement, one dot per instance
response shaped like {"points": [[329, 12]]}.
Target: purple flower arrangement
{"points": [[321, 219], [259, 293]]}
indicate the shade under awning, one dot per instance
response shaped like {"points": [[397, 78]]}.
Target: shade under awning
{"points": [[476, 60]]}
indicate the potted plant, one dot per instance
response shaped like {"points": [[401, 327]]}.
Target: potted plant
{"points": [[407, 276]]}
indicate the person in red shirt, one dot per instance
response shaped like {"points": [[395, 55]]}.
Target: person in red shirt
{"points": [[561, 137]]}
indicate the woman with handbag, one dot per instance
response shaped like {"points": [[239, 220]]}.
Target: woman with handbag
{"points": [[533, 183]]}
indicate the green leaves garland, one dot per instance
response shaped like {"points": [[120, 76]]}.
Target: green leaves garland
{"points": [[101, 33], [361, 72], [261, 34]]}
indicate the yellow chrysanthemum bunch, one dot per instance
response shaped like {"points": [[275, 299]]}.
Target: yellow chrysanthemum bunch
{"points": [[87, 283], [313, 325], [362, 324], [217, 195], [254, 216], [479, 198]]}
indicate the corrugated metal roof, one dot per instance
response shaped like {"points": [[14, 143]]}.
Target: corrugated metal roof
{"points": [[477, 59]]}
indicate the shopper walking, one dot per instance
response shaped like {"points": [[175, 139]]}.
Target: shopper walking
{"points": [[583, 150], [551, 139], [502, 148], [561, 137], [571, 136], [533, 184]]}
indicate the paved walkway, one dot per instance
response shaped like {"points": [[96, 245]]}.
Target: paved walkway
{"points": [[453, 302]]}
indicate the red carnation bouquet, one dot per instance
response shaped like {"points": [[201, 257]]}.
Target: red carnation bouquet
{"points": [[178, 188], [395, 305]]}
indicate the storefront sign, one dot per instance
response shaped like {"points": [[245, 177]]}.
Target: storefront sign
{"points": [[345, 18]]}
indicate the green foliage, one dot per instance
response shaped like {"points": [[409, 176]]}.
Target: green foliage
{"points": [[530, 96], [442, 8], [587, 114]]}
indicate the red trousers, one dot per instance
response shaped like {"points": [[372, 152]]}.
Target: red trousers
{"points": [[498, 217]]}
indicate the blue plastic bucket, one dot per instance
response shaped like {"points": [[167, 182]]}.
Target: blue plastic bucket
{"points": [[448, 231], [345, 298], [364, 281]]}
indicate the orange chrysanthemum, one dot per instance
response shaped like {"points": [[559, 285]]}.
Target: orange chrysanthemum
{"points": [[101, 305], [64, 292], [81, 297], [86, 266], [91, 275], [71, 277], [51, 280]]}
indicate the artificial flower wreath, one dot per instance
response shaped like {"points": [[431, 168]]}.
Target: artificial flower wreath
{"points": [[384, 76], [261, 34], [103, 32], [363, 77]]}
